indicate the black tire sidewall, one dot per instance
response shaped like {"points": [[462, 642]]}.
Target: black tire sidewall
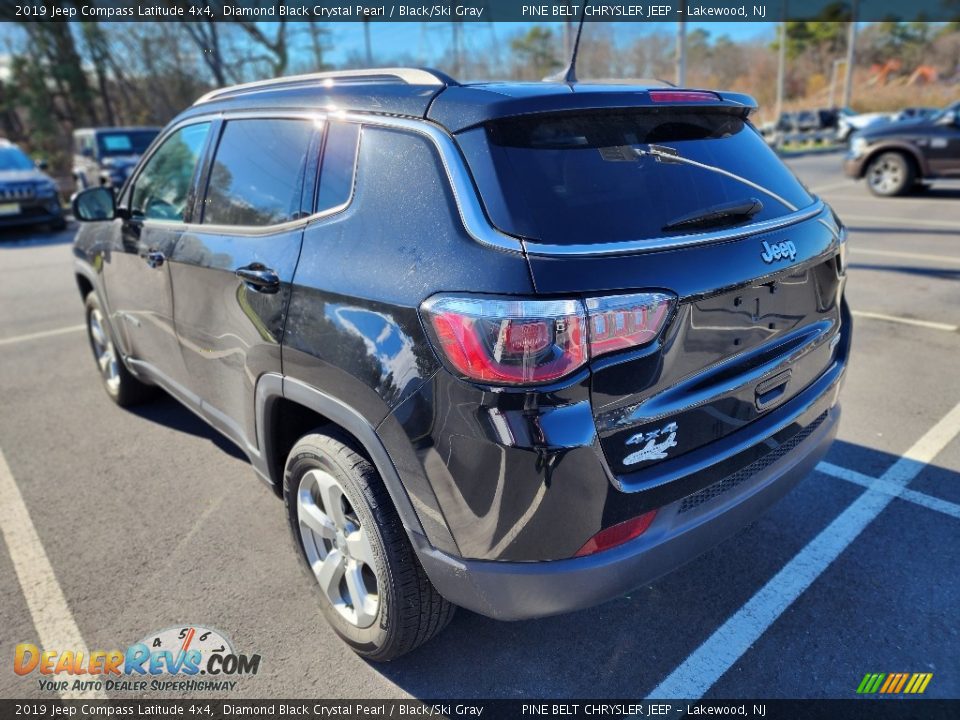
{"points": [[318, 452]]}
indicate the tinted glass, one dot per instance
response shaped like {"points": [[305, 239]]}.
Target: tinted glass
{"points": [[12, 158], [134, 142], [161, 189], [339, 156], [257, 174], [578, 178]]}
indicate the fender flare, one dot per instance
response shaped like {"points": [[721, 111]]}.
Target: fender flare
{"points": [[272, 386], [898, 146]]}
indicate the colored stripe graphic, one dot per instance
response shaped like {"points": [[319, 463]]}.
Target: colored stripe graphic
{"points": [[893, 683]]}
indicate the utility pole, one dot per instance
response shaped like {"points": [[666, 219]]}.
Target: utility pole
{"points": [[781, 64], [833, 82], [366, 40], [681, 55], [457, 71], [851, 45]]}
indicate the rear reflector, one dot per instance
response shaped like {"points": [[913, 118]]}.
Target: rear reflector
{"points": [[681, 96], [504, 341], [617, 534]]}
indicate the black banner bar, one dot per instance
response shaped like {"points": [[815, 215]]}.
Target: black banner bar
{"points": [[446, 11], [860, 709]]}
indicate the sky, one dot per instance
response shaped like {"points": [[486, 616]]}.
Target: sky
{"points": [[422, 39]]}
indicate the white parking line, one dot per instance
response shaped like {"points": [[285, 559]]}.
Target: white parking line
{"points": [[857, 250], [929, 324], [901, 222], [38, 335], [919, 498], [52, 619], [730, 641], [820, 189]]}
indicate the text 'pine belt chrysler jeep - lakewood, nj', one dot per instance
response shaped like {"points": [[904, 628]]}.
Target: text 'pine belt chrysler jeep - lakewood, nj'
{"points": [[519, 347]]}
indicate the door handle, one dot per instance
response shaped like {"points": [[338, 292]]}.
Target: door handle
{"points": [[154, 258], [259, 278]]}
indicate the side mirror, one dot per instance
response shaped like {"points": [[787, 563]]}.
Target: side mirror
{"points": [[42, 165], [96, 203]]}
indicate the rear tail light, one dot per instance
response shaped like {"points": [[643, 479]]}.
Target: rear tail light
{"points": [[617, 534], [680, 96], [517, 342]]}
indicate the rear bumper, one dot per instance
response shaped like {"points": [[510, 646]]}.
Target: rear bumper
{"points": [[680, 532]]}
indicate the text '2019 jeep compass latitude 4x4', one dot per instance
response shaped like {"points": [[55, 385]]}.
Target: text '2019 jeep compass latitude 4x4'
{"points": [[515, 347]]}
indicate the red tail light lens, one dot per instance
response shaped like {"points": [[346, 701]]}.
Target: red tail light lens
{"points": [[623, 321], [517, 342], [510, 342], [617, 534], [680, 96]]}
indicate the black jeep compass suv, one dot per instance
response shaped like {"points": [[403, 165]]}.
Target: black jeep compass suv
{"points": [[516, 347]]}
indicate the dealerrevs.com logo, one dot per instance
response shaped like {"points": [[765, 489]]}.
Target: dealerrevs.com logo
{"points": [[200, 659]]}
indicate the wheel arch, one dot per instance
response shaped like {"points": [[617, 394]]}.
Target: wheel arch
{"points": [[287, 409], [909, 151]]}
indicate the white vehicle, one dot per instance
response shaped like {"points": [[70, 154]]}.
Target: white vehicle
{"points": [[849, 122]]}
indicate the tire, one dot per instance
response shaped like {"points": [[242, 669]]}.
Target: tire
{"points": [[59, 225], [890, 174], [343, 523], [120, 384]]}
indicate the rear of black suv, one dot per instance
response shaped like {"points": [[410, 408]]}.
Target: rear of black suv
{"points": [[674, 373], [515, 347]]}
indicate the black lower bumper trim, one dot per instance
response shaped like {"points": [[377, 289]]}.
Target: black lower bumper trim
{"points": [[516, 591]]}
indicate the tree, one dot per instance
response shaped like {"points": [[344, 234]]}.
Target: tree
{"points": [[536, 54]]}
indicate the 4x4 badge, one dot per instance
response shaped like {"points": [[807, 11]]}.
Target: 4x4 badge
{"points": [[778, 251], [653, 450]]}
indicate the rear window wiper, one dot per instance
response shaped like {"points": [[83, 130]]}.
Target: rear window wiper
{"points": [[716, 215], [670, 155]]}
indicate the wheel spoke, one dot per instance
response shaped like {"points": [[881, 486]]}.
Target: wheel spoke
{"points": [[331, 496], [329, 571], [313, 517], [97, 331], [104, 361], [363, 604]]}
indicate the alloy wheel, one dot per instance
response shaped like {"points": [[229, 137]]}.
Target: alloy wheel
{"points": [[338, 548], [104, 351]]}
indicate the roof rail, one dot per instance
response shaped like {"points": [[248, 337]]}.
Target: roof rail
{"points": [[410, 76]]}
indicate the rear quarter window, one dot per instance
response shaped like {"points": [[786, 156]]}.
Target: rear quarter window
{"points": [[576, 178]]}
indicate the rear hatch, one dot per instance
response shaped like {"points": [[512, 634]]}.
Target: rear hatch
{"points": [[684, 198]]}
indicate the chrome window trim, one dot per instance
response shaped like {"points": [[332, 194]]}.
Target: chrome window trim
{"points": [[625, 247]]}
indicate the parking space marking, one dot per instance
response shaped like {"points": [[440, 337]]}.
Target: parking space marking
{"points": [[43, 334], [901, 222], [704, 666], [857, 250], [918, 498], [820, 189], [52, 619], [929, 324]]}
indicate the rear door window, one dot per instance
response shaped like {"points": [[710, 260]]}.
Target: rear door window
{"points": [[581, 178], [257, 174]]}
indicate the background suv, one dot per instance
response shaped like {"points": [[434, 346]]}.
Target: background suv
{"points": [[515, 347], [106, 155], [28, 196]]}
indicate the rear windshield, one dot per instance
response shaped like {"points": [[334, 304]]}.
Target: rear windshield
{"points": [[133, 142], [583, 178]]}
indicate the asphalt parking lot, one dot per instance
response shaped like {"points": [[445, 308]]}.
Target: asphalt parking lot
{"points": [[139, 521]]}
